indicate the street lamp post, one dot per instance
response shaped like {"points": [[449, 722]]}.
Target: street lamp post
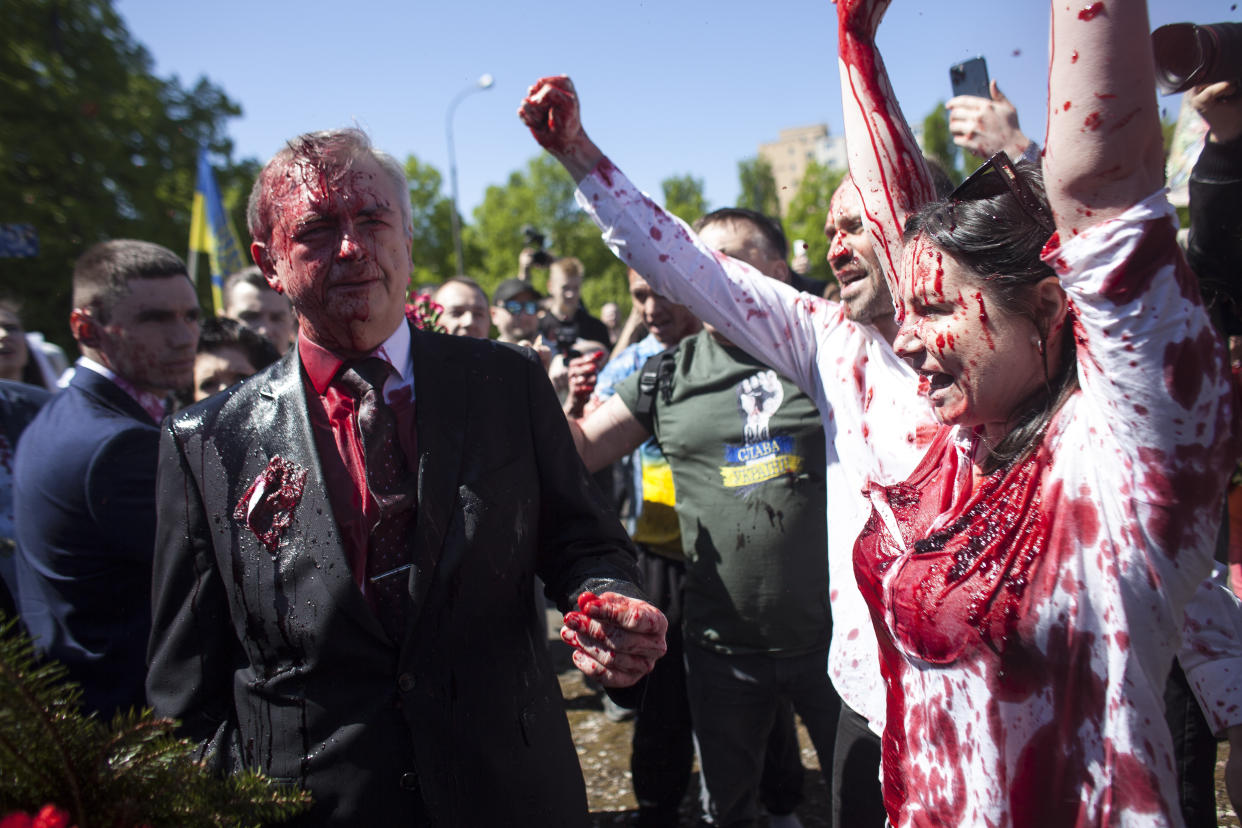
{"points": [[484, 82]]}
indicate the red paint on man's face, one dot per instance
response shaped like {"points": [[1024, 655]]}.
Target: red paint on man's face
{"points": [[340, 252], [976, 363], [852, 257]]}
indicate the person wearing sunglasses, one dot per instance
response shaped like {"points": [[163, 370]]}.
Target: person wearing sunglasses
{"points": [[515, 311]]}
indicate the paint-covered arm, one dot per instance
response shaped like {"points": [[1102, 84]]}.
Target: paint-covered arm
{"points": [[769, 319], [1104, 152], [885, 161], [1155, 382], [760, 315]]}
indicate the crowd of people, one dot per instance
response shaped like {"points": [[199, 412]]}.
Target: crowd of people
{"points": [[965, 519]]}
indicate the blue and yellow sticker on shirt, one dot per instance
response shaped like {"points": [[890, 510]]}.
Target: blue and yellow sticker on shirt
{"points": [[762, 456]]}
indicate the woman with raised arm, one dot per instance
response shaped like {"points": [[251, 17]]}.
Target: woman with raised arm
{"points": [[1028, 582]]}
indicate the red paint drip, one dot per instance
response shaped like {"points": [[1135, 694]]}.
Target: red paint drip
{"points": [[1092, 121], [587, 600], [1091, 12], [604, 169], [983, 319]]}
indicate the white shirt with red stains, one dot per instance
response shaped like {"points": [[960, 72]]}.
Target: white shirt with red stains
{"points": [[878, 427], [1028, 620], [861, 387]]}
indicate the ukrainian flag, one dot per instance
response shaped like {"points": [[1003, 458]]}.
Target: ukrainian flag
{"points": [[212, 233]]}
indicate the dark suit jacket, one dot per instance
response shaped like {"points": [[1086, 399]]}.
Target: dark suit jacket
{"points": [[276, 661], [84, 497], [19, 403]]}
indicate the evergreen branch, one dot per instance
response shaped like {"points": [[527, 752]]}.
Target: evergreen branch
{"points": [[27, 686], [141, 773]]}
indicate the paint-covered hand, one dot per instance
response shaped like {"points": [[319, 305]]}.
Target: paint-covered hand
{"points": [[984, 127], [861, 17], [616, 640], [583, 374], [551, 111]]}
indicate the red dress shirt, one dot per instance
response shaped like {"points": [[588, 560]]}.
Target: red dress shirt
{"points": [[334, 422]]}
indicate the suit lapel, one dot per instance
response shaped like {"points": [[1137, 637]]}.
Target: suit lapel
{"points": [[292, 436], [441, 407], [109, 393]]}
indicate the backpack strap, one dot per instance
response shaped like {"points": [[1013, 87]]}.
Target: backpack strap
{"points": [[656, 375]]}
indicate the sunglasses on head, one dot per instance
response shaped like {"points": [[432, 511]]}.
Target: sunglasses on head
{"points": [[995, 177], [515, 307]]}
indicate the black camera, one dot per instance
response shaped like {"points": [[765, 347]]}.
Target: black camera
{"points": [[1190, 55], [535, 239], [566, 336]]}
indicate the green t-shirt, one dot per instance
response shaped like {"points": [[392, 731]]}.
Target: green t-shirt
{"points": [[747, 452]]}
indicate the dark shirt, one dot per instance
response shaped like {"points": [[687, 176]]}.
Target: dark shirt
{"points": [[588, 327]]}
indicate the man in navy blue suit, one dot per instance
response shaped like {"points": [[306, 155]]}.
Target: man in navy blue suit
{"points": [[85, 470]]}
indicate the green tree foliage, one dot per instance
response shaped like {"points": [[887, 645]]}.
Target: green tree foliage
{"points": [[93, 145], [683, 197], [433, 224], [758, 187], [807, 212], [131, 772], [939, 147], [542, 196]]}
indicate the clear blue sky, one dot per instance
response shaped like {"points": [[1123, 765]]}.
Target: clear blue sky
{"points": [[668, 86]]}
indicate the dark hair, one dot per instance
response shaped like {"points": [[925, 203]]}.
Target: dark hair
{"points": [[767, 226], [218, 333], [942, 184], [462, 280], [102, 273], [1000, 243], [247, 276]]}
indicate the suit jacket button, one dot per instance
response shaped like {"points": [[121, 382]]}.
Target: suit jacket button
{"points": [[405, 682], [409, 781]]}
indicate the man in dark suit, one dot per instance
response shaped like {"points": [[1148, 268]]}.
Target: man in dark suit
{"points": [[84, 474], [347, 541]]}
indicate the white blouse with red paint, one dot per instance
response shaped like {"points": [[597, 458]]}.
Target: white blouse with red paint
{"points": [[1028, 621], [860, 386]]}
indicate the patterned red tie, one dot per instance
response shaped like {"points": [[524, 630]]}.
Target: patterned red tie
{"points": [[391, 485]]}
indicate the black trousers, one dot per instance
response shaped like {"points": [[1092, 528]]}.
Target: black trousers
{"points": [[1194, 751], [662, 750], [857, 799]]}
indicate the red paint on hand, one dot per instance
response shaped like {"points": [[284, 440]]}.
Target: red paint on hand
{"points": [[587, 600]]}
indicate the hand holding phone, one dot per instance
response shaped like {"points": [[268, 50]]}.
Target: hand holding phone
{"points": [[970, 77]]}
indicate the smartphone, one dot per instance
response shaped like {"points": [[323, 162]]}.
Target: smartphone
{"points": [[970, 77]]}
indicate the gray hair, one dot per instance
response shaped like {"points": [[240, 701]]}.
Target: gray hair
{"points": [[331, 152]]}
